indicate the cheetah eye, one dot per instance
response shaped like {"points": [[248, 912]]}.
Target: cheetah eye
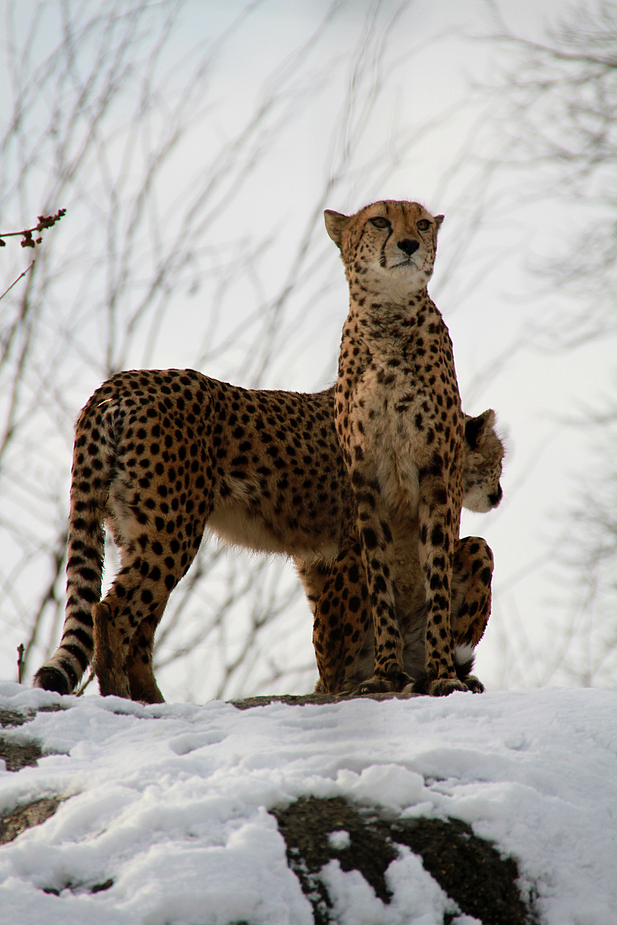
{"points": [[379, 222], [423, 224]]}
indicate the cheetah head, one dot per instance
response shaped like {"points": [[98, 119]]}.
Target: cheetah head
{"points": [[482, 463], [388, 245]]}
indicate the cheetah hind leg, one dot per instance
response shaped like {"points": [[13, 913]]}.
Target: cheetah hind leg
{"points": [[108, 643], [135, 680], [471, 585], [142, 683], [463, 662]]}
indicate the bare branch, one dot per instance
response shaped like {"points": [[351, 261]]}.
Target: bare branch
{"points": [[45, 221], [21, 276]]}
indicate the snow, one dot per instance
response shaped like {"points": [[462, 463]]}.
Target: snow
{"points": [[340, 839], [171, 803], [417, 897]]}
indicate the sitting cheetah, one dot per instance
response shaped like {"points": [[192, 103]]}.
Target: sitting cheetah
{"points": [[400, 425], [343, 631], [157, 456], [345, 649]]}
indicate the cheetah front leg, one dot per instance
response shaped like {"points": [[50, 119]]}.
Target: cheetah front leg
{"points": [[378, 557], [438, 522]]}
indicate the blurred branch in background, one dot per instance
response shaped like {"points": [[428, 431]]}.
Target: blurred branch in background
{"points": [[112, 110], [558, 142], [558, 117], [590, 657]]}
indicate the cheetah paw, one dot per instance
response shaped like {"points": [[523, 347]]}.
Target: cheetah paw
{"points": [[438, 687], [392, 682]]}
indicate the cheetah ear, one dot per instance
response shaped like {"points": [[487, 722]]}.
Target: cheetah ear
{"points": [[335, 225], [475, 428], [438, 220]]}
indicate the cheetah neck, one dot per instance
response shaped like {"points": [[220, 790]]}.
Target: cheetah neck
{"points": [[380, 321]]}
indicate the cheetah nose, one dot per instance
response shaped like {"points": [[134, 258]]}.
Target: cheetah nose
{"points": [[408, 246], [496, 497]]}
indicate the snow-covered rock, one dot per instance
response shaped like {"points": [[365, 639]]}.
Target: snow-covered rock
{"points": [[166, 811]]}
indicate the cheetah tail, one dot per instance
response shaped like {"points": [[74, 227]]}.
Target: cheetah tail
{"points": [[90, 479]]}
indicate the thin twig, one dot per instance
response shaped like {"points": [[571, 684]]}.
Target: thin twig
{"points": [[6, 291]]}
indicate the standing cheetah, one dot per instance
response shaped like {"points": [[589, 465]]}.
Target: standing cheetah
{"points": [[400, 425], [159, 455]]}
